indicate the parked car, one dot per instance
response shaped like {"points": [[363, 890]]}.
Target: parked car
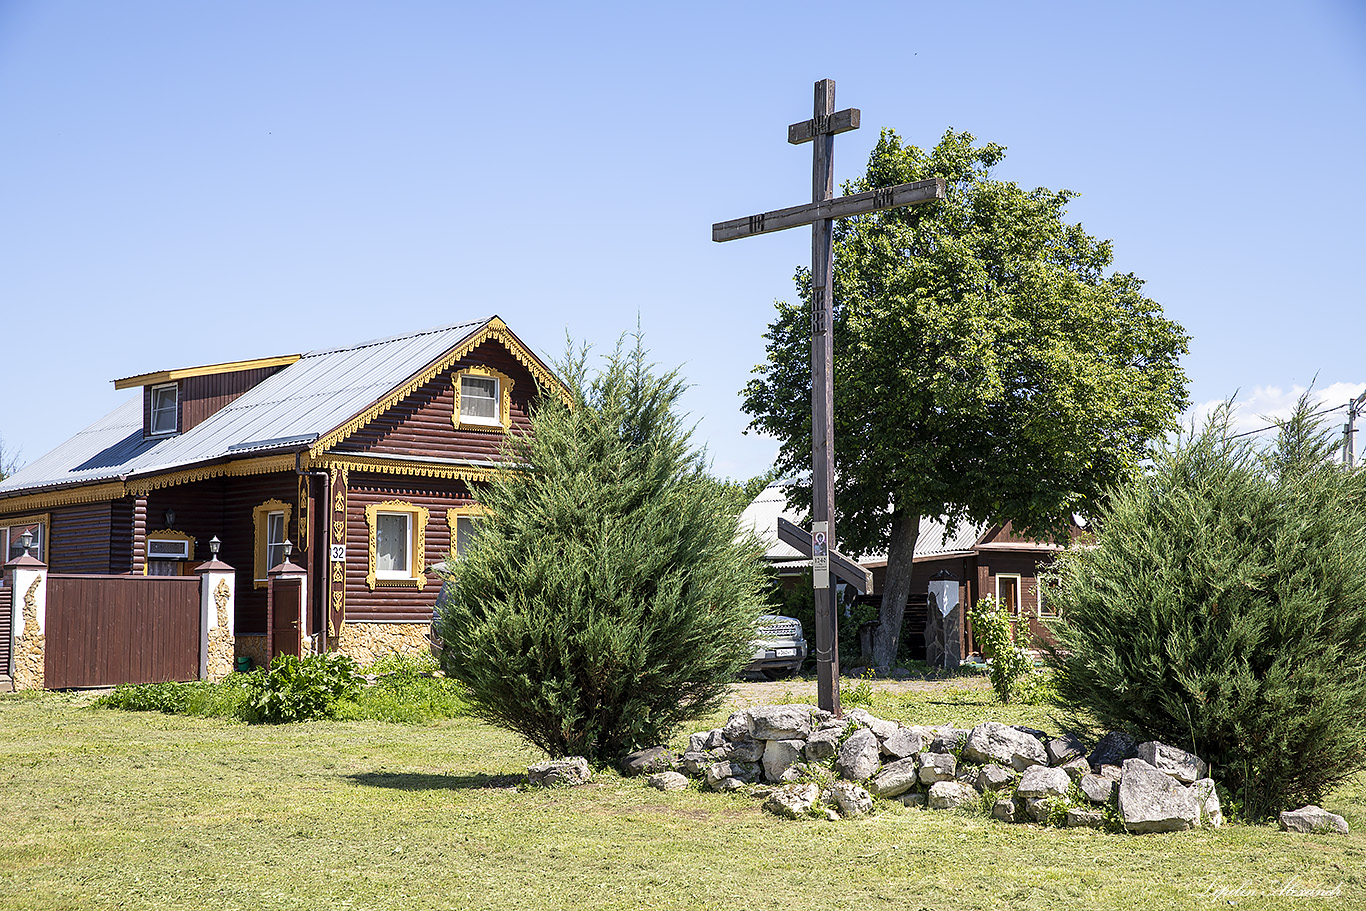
{"points": [[779, 647]]}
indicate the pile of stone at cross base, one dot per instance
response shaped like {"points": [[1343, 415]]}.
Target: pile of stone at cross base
{"points": [[801, 761]]}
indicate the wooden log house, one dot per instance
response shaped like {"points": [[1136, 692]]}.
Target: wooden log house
{"points": [[365, 459]]}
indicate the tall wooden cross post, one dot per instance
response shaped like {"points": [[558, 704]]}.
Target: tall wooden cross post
{"points": [[820, 130]]}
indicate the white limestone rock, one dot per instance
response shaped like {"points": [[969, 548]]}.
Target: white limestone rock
{"points": [[792, 800], [904, 742], [950, 795], [820, 746], [780, 722], [1186, 768], [1207, 799], [1097, 788], [883, 729], [1042, 781], [570, 771], [1153, 801], [896, 778], [851, 799], [858, 756], [992, 741], [1312, 819], [667, 781], [937, 767], [994, 777], [779, 756]]}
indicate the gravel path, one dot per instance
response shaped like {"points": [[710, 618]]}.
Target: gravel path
{"points": [[803, 690]]}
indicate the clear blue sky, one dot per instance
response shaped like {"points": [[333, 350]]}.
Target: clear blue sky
{"points": [[188, 183]]}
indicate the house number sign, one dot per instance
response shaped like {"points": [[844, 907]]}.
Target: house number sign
{"points": [[338, 553]]}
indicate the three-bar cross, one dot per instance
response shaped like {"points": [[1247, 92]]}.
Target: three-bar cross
{"points": [[820, 130]]}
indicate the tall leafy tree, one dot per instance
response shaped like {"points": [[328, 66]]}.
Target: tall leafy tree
{"points": [[606, 598], [986, 365]]}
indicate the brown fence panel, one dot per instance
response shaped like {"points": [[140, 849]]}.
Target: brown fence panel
{"points": [[107, 630], [6, 631]]}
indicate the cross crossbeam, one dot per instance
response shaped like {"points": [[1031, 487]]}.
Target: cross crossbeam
{"points": [[906, 194]]}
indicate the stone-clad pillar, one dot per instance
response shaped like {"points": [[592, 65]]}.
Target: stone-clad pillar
{"points": [[217, 622], [26, 577]]}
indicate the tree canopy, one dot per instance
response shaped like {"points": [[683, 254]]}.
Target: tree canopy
{"points": [[986, 365]]}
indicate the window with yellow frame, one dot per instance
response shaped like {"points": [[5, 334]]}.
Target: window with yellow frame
{"points": [[271, 521], [461, 521], [398, 545], [483, 399]]}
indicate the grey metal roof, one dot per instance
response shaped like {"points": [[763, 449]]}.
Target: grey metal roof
{"points": [[761, 517], [312, 396]]}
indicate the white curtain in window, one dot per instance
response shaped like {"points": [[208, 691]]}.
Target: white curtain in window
{"points": [[391, 543], [275, 540], [479, 397]]}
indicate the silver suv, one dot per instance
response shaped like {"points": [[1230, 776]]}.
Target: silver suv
{"points": [[779, 647]]}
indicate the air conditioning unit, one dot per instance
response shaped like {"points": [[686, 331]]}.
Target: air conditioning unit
{"points": [[168, 549]]}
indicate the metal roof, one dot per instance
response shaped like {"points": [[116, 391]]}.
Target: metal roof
{"points": [[761, 517], [317, 393]]}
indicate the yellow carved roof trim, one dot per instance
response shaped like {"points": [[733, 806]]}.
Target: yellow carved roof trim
{"points": [[167, 376], [69, 496], [361, 463], [496, 330]]}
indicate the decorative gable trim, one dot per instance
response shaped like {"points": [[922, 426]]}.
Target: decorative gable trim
{"points": [[495, 330]]}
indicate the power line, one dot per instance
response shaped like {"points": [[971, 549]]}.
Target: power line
{"points": [[1248, 433]]}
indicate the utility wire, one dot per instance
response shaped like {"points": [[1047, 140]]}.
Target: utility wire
{"points": [[1248, 433]]}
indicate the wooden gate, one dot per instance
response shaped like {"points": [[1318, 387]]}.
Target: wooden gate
{"points": [[107, 630], [6, 639]]}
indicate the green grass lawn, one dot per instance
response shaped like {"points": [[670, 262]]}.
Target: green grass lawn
{"points": [[108, 809]]}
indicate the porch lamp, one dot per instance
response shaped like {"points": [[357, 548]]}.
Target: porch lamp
{"points": [[214, 544], [26, 541], [944, 591], [289, 549]]}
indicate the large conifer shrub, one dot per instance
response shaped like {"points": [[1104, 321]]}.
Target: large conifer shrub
{"points": [[605, 599], [1223, 610]]}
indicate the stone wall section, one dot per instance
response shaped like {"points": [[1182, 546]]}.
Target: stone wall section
{"points": [[28, 645], [369, 642], [253, 647]]}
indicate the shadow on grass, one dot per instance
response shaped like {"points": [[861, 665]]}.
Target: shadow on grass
{"points": [[413, 781]]}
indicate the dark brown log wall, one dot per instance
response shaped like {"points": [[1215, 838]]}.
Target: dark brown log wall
{"points": [[202, 396], [388, 603], [422, 424], [78, 541]]}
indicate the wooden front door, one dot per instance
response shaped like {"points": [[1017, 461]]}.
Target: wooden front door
{"points": [[283, 609]]}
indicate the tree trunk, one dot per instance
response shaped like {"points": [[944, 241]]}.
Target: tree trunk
{"points": [[897, 587]]}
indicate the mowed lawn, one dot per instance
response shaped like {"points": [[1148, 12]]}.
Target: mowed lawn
{"points": [[106, 809]]}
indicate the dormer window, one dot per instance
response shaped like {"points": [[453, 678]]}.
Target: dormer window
{"points": [[483, 399], [165, 410]]}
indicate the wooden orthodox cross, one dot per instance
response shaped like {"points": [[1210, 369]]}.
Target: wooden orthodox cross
{"points": [[820, 130]]}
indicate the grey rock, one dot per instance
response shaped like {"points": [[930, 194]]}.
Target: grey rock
{"points": [[820, 746], [1005, 809], [937, 767], [737, 726], [694, 763], [1042, 781], [792, 800], [744, 750], [705, 740], [896, 778], [1039, 808], [1113, 749], [992, 741], [1313, 819], [779, 756], [1080, 817], [1207, 799], [1064, 748], [1097, 788], [727, 776], [1037, 734], [904, 742], [642, 762], [950, 795], [832, 815], [947, 740], [1112, 772], [780, 722], [914, 799], [851, 799], [1076, 768], [1186, 768], [883, 729], [1153, 801], [667, 781], [857, 758], [571, 771], [967, 773], [993, 777]]}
